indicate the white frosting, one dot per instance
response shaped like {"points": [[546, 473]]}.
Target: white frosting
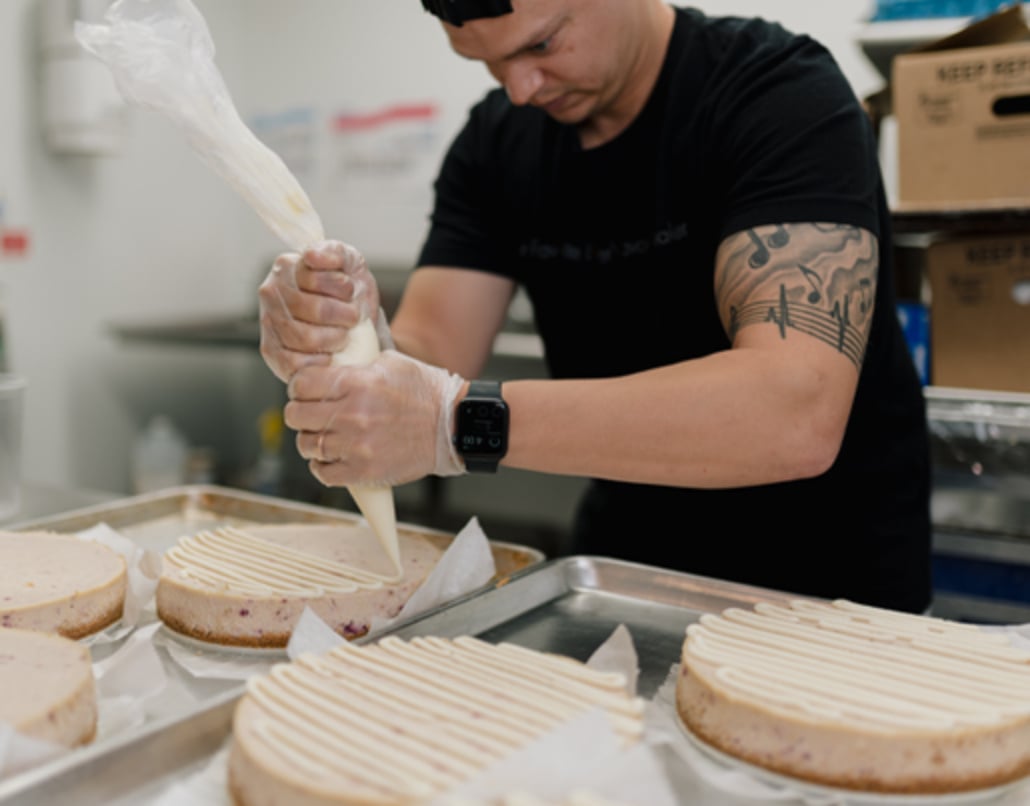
{"points": [[862, 666], [418, 717], [231, 559], [375, 503]]}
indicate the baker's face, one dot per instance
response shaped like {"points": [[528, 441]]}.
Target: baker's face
{"points": [[566, 57]]}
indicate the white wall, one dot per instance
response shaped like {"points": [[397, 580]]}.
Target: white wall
{"points": [[141, 236], [153, 234]]}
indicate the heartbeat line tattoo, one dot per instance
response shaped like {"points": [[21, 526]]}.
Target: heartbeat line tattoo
{"points": [[833, 326]]}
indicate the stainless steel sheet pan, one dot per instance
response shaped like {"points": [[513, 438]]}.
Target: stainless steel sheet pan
{"points": [[155, 521], [569, 606]]}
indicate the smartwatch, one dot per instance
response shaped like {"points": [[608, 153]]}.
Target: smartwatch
{"points": [[481, 427]]}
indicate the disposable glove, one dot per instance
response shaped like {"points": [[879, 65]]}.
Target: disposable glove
{"points": [[389, 422], [310, 301]]}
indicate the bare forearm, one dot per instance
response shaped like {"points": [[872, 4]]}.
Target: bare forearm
{"points": [[736, 418]]}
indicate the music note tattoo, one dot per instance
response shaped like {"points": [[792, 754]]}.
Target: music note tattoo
{"points": [[780, 237], [777, 240], [815, 279], [866, 293], [761, 255]]}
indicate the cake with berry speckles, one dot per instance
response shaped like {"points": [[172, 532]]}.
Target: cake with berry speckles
{"points": [[859, 698], [249, 587], [46, 687], [402, 722], [58, 583]]}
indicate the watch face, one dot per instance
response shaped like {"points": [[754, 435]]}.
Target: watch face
{"points": [[482, 428]]}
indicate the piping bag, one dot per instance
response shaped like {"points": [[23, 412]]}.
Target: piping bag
{"points": [[161, 56]]}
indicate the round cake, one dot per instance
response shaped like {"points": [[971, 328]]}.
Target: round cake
{"points": [[578, 798], [249, 587], [46, 687], [399, 722], [59, 583], [859, 698]]}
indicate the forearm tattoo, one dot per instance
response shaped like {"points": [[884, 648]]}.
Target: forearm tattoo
{"points": [[817, 279]]}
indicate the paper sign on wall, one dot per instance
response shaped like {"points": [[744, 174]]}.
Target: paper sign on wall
{"points": [[290, 133], [389, 151]]}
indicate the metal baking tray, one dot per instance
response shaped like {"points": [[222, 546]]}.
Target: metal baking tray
{"points": [[569, 605], [155, 521]]}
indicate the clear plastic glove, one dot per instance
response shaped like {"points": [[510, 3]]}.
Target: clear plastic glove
{"points": [[310, 301], [389, 422]]}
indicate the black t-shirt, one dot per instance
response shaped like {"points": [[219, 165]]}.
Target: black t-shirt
{"points": [[748, 125]]}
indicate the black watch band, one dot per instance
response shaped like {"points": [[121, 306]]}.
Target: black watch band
{"points": [[481, 427]]}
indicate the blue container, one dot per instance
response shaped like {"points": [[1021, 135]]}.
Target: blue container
{"points": [[928, 9], [915, 324]]}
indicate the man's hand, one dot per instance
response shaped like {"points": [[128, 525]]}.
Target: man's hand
{"points": [[389, 422], [309, 302]]}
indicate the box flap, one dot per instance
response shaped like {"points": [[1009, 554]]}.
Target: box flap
{"points": [[1001, 28]]}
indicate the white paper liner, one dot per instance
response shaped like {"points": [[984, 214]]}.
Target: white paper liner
{"points": [[217, 663], [207, 787], [580, 755], [143, 568], [1019, 634], [466, 565], [19, 753]]}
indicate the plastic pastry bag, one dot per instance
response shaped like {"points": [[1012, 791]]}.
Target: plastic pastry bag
{"points": [[161, 55]]}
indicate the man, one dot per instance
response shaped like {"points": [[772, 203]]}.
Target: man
{"points": [[695, 209]]}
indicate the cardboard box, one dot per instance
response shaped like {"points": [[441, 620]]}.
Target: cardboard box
{"points": [[963, 113], [980, 312]]}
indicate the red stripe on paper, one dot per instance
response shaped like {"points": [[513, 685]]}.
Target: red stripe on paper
{"points": [[390, 114]]}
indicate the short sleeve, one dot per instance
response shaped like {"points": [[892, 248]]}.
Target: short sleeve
{"points": [[796, 144]]}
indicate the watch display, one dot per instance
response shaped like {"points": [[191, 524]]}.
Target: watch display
{"points": [[481, 427]]}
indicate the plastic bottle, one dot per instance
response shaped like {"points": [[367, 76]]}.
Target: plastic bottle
{"points": [[268, 472], [159, 456]]}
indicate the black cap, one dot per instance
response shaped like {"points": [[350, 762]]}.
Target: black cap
{"points": [[457, 12]]}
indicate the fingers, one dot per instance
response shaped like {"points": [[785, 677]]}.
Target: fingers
{"points": [[333, 411], [340, 270], [330, 383], [286, 363], [291, 274], [302, 321], [313, 418], [375, 423], [335, 255]]}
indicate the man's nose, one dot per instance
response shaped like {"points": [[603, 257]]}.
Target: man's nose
{"points": [[522, 82]]}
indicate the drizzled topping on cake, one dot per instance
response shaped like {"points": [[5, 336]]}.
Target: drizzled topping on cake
{"points": [[231, 559], [860, 665], [416, 718]]}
